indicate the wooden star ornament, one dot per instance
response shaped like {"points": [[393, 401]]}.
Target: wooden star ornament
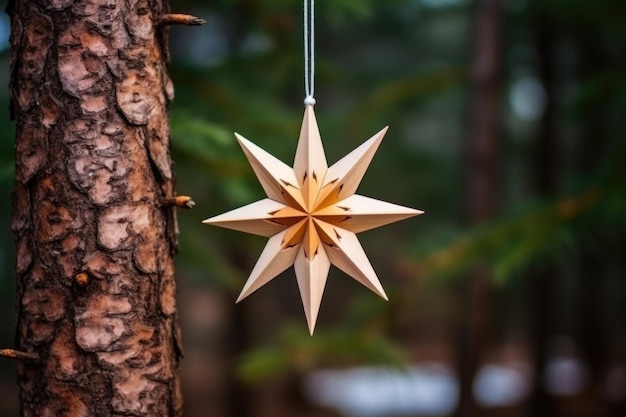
{"points": [[311, 216]]}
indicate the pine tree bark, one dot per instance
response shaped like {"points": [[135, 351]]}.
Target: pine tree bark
{"points": [[94, 237]]}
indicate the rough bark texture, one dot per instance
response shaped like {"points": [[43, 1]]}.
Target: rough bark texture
{"points": [[95, 245]]}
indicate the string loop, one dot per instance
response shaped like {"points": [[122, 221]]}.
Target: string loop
{"points": [[309, 52]]}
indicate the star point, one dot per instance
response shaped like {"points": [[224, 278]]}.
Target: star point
{"points": [[311, 216]]}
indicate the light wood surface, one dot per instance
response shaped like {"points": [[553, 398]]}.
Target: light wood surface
{"points": [[311, 216]]}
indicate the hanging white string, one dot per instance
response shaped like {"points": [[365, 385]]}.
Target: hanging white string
{"points": [[309, 52]]}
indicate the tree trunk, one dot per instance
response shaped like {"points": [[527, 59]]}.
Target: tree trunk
{"points": [[591, 334], [476, 292], [543, 296], [95, 237]]}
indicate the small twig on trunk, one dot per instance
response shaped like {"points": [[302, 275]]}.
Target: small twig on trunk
{"points": [[181, 201], [179, 19], [81, 279], [19, 355]]}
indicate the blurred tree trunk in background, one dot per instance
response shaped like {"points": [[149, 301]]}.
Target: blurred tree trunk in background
{"points": [[482, 163], [95, 236], [238, 341], [591, 334], [542, 297]]}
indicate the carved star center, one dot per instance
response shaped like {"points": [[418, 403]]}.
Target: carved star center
{"points": [[312, 216]]}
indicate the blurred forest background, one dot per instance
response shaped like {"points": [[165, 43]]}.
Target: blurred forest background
{"points": [[507, 298]]}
